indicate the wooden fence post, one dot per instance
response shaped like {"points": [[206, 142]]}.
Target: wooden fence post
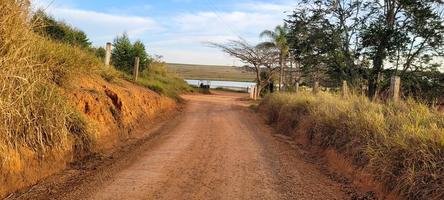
{"points": [[395, 87], [136, 68], [108, 49], [297, 87], [344, 89], [316, 87]]}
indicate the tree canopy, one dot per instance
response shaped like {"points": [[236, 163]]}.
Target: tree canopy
{"points": [[359, 41]]}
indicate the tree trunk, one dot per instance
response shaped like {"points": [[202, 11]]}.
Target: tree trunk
{"points": [[381, 53], [377, 68]]}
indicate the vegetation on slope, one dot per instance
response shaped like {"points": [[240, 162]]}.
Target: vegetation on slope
{"points": [[36, 121], [40, 128], [157, 78], [401, 144]]}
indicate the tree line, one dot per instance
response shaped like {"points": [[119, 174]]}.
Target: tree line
{"points": [[364, 42], [123, 53]]}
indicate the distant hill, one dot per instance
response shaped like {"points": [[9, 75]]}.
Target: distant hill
{"points": [[211, 72]]}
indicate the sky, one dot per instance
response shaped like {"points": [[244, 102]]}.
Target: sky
{"points": [[178, 30]]}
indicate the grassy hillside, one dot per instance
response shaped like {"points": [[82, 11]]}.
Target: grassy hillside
{"points": [[59, 103], [211, 72], [400, 145]]}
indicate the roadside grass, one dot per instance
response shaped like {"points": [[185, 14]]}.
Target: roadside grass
{"points": [[400, 144], [36, 120], [157, 78]]}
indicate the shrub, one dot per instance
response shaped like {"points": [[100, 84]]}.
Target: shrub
{"points": [[59, 31]]}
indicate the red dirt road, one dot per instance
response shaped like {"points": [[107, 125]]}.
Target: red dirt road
{"points": [[216, 149]]}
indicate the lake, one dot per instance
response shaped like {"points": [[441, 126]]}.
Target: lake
{"points": [[234, 85]]}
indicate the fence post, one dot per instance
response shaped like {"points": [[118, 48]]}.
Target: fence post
{"points": [[378, 85], [297, 87], [363, 87], [395, 87], [136, 68], [108, 53], [344, 89], [316, 87]]}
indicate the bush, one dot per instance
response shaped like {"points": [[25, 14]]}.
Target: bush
{"points": [[59, 31], [401, 144]]}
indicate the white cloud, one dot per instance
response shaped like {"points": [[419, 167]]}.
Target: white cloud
{"points": [[275, 8], [231, 23], [100, 27], [181, 40], [199, 56], [98, 24], [178, 36]]}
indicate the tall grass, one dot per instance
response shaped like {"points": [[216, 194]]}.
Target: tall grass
{"points": [[35, 118], [401, 144], [32, 113]]}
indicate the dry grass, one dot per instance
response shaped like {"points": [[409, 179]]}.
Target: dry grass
{"points": [[401, 144], [32, 113], [35, 118]]}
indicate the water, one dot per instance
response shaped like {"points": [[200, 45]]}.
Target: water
{"points": [[224, 84]]}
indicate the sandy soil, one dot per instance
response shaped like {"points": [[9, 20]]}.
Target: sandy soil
{"points": [[217, 148]]}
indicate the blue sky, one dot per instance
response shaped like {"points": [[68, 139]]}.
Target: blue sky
{"points": [[175, 29]]}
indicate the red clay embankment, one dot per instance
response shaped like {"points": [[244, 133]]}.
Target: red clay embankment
{"points": [[112, 112]]}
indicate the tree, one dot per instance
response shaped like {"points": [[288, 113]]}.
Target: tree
{"points": [[358, 41], [402, 32], [122, 54], [140, 51], [259, 58], [324, 40], [278, 39]]}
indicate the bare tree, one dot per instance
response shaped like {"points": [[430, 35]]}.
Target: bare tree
{"points": [[259, 58]]}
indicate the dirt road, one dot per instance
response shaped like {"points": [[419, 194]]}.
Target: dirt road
{"points": [[216, 149]]}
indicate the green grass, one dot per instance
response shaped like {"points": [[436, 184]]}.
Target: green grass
{"points": [[211, 72], [401, 144]]}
